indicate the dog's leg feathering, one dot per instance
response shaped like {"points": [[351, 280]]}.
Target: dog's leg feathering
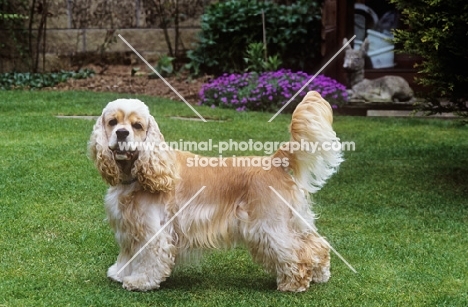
{"points": [[287, 247], [153, 265], [135, 221]]}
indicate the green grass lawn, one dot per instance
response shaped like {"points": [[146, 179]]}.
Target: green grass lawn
{"points": [[397, 211]]}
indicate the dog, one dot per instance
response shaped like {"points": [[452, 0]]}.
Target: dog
{"points": [[149, 188], [384, 89]]}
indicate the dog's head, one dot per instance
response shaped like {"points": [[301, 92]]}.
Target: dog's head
{"points": [[125, 146], [126, 123]]}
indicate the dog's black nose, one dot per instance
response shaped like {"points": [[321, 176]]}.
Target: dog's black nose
{"points": [[122, 134]]}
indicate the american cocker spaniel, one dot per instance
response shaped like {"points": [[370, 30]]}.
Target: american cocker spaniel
{"points": [[149, 187]]}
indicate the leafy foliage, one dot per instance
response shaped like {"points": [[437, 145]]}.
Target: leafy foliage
{"points": [[255, 61], [164, 66], [438, 31], [268, 91], [14, 80], [11, 16], [227, 28]]}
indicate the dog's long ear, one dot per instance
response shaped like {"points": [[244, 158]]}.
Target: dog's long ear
{"points": [[99, 152], [155, 166]]}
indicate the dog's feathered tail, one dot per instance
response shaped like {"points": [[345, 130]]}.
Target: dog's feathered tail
{"points": [[314, 150]]}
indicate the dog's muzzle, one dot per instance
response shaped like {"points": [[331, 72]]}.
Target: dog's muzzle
{"points": [[123, 150]]}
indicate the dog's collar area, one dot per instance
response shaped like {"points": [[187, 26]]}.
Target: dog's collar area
{"points": [[127, 182]]}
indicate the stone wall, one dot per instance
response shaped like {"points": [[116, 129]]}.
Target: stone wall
{"points": [[79, 31], [70, 47]]}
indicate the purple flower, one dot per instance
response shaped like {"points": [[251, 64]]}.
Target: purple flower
{"points": [[263, 91]]}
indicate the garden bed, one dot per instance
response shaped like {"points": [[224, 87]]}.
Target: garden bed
{"points": [[118, 78]]}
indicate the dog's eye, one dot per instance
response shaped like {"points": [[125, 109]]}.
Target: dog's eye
{"points": [[113, 122], [137, 126]]}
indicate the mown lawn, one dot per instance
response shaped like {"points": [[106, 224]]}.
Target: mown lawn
{"points": [[397, 211]]}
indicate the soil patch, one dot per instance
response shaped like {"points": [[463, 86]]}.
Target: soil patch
{"points": [[119, 79]]}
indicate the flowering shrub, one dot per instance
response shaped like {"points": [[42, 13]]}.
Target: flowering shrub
{"points": [[268, 91]]}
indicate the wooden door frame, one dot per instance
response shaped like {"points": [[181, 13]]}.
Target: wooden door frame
{"points": [[333, 34]]}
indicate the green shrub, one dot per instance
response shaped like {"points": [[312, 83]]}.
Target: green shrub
{"points": [[227, 28], [438, 31], [14, 80]]}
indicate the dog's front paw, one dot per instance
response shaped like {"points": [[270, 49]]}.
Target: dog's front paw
{"points": [[112, 273], [139, 283], [288, 288], [321, 274]]}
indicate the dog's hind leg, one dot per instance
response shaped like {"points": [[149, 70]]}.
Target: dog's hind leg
{"points": [[316, 250], [296, 258], [311, 262]]}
